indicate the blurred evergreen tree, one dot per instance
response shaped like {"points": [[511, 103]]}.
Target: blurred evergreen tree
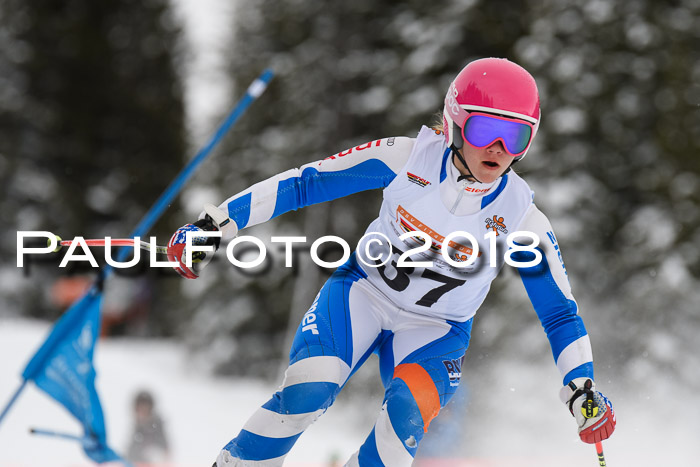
{"points": [[617, 169], [93, 128]]}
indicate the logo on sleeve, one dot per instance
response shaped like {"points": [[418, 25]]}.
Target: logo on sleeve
{"points": [[553, 239], [376, 143], [496, 224], [307, 321]]}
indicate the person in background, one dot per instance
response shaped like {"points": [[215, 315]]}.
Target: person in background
{"points": [[148, 443]]}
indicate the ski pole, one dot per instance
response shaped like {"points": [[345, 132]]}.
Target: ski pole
{"points": [[86, 441], [116, 242], [589, 410], [601, 457], [220, 218]]}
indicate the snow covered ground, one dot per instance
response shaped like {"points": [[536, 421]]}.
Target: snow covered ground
{"points": [[519, 424], [201, 413]]}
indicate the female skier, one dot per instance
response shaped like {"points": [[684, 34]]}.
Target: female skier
{"points": [[446, 192]]}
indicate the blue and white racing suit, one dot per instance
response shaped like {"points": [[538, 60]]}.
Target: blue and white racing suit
{"points": [[416, 317]]}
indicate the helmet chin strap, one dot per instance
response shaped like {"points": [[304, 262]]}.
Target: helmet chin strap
{"points": [[454, 150]]}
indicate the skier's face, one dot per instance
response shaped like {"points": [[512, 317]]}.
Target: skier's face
{"points": [[487, 163]]}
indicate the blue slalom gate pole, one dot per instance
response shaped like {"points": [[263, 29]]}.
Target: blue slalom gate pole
{"points": [[256, 88], [84, 440], [13, 399], [39, 431]]}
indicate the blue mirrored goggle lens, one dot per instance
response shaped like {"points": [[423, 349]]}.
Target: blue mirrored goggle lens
{"points": [[481, 131]]}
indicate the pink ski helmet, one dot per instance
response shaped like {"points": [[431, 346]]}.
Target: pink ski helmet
{"points": [[491, 85]]}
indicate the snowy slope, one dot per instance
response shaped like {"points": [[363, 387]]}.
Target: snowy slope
{"points": [[201, 413], [518, 424]]}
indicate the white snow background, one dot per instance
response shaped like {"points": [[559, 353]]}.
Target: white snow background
{"points": [[519, 423], [201, 413]]}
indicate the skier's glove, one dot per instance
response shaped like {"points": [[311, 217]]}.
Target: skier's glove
{"points": [[593, 411], [177, 243]]}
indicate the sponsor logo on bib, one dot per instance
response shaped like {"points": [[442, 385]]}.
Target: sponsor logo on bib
{"points": [[496, 224]]}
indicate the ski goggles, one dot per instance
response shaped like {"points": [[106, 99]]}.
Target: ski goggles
{"points": [[481, 130]]}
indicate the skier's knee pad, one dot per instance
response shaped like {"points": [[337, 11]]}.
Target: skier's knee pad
{"points": [[412, 398], [313, 383]]}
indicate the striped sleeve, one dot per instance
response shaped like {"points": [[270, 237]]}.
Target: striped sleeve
{"points": [[547, 285], [365, 167]]}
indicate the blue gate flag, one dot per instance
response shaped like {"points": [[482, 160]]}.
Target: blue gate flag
{"points": [[63, 369]]}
